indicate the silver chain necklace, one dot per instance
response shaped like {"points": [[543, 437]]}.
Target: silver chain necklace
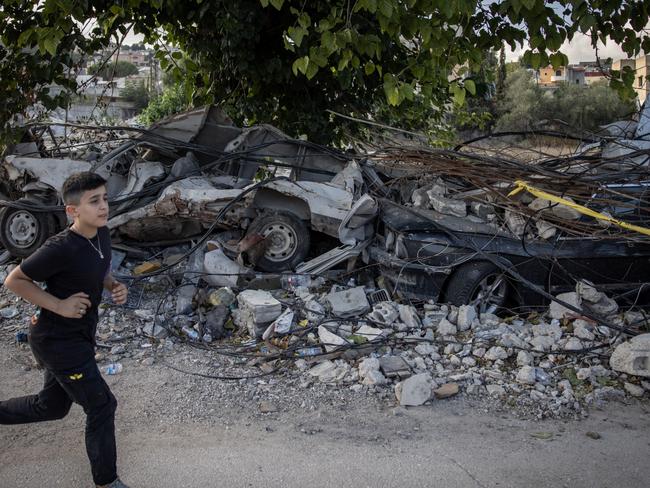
{"points": [[99, 244]]}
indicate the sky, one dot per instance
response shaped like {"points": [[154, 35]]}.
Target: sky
{"points": [[579, 49]]}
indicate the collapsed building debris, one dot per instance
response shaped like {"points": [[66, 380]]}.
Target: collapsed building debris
{"points": [[425, 273]]}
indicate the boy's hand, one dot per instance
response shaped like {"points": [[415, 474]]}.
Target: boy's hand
{"points": [[119, 293], [73, 307]]}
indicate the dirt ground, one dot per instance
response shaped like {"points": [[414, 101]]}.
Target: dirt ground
{"points": [[179, 431]]}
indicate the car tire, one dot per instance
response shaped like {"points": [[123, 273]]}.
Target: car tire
{"points": [[23, 231], [479, 283], [287, 237]]}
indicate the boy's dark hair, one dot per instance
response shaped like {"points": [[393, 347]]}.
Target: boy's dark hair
{"points": [[78, 183]]}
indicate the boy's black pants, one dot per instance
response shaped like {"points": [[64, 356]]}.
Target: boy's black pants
{"points": [[86, 387]]}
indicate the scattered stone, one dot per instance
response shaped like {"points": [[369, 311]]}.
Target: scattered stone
{"points": [[223, 296], [526, 375], [258, 309], [496, 352], [409, 316], [415, 390], [446, 328], [573, 344], [384, 313], [634, 390], [348, 303], [583, 330], [633, 356], [447, 206], [495, 390], [557, 311], [157, 332], [447, 390], [515, 222], [588, 292], [466, 315], [370, 333], [593, 435], [267, 407], [552, 330], [524, 358], [394, 366], [605, 306], [545, 230], [330, 340]]}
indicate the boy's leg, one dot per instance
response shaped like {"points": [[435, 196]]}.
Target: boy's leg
{"points": [[51, 403], [93, 394]]}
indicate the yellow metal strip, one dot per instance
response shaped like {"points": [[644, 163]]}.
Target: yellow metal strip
{"points": [[522, 185]]}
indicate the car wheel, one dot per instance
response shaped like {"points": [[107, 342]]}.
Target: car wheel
{"points": [[23, 231], [286, 238], [481, 284]]}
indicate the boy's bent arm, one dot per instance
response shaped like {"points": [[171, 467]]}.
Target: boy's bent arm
{"points": [[22, 285]]}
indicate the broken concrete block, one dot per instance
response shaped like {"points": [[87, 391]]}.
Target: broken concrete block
{"points": [[526, 375], [496, 352], [495, 390], [215, 320], [515, 222], [330, 340], [348, 303], [633, 357], [221, 270], [258, 309], [605, 306], [558, 311], [573, 344], [370, 333], [524, 358], [481, 210], [261, 305], [545, 230], [369, 372], [466, 315], [157, 332], [447, 206], [634, 390], [394, 366], [384, 313], [566, 212], [446, 328], [148, 267], [583, 330], [539, 204], [223, 296], [552, 330], [415, 390], [420, 198], [447, 390], [588, 292], [542, 343], [409, 316]]}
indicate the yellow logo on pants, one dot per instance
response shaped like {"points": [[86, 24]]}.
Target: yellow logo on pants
{"points": [[76, 376]]}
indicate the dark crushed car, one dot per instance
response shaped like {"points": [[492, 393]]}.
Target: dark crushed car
{"points": [[426, 255]]}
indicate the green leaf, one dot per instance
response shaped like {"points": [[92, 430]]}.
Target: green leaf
{"points": [[265, 3], [50, 44], [470, 86], [535, 60], [296, 34], [529, 4], [277, 4], [391, 91], [558, 60], [458, 92], [177, 55], [312, 69], [369, 68], [386, 7], [301, 65]]}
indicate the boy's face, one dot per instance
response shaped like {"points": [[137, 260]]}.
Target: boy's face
{"points": [[92, 209]]}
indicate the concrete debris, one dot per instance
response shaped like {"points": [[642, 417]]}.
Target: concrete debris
{"points": [[633, 356], [221, 270], [557, 311], [634, 390], [466, 316], [369, 372], [331, 341], [447, 206], [384, 313], [415, 390], [447, 390], [348, 303], [409, 316], [394, 367], [369, 333], [258, 309], [446, 328]]}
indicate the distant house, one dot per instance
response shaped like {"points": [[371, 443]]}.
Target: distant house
{"points": [[592, 77], [641, 68], [550, 77]]}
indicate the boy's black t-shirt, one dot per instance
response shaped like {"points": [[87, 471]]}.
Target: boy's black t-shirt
{"points": [[68, 264]]}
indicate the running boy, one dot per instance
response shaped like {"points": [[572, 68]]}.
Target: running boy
{"points": [[75, 266]]}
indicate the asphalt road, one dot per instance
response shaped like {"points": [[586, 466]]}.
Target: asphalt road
{"points": [[447, 445]]}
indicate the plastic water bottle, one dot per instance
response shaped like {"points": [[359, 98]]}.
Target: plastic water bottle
{"points": [[292, 281], [113, 368], [190, 333], [309, 351]]}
